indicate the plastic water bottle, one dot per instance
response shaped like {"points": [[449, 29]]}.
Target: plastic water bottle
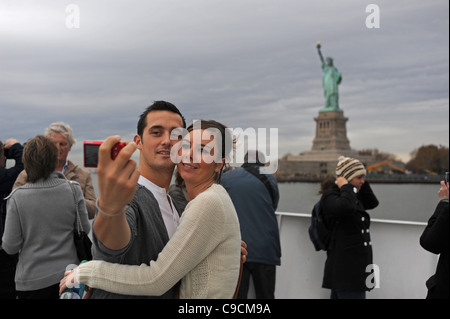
{"points": [[74, 292]]}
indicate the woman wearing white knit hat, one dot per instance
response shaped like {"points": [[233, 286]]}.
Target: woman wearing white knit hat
{"points": [[351, 170], [350, 249]]}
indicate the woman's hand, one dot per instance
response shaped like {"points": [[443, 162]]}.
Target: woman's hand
{"points": [[341, 181], [244, 252], [443, 191], [69, 281]]}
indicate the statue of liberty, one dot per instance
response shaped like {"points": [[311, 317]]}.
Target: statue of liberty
{"points": [[331, 78]]}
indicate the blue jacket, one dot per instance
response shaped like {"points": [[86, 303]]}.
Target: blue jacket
{"points": [[259, 226]]}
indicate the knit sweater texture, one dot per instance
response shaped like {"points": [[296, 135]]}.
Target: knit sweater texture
{"points": [[204, 252]]}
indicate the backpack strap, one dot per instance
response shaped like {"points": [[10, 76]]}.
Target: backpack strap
{"points": [[263, 178]]}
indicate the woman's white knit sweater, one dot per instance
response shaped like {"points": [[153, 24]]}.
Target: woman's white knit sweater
{"points": [[204, 252]]}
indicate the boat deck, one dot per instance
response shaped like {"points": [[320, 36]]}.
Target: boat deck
{"points": [[403, 264]]}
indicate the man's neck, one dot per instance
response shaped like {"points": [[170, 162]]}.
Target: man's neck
{"points": [[61, 165], [160, 178]]}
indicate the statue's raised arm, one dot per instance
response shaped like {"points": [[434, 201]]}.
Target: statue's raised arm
{"points": [[320, 53]]}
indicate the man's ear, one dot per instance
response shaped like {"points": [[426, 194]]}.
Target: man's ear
{"points": [[138, 140]]}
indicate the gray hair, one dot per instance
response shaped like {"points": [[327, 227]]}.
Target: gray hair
{"points": [[61, 128]]}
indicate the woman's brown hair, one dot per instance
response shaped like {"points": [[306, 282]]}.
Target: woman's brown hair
{"points": [[40, 156]]}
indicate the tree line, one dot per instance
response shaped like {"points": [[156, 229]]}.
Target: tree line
{"points": [[429, 159]]}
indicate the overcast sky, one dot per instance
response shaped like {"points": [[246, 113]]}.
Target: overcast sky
{"points": [[245, 63]]}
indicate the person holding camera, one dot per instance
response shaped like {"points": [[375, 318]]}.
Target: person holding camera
{"points": [[151, 216], [204, 252], [435, 239], [11, 150]]}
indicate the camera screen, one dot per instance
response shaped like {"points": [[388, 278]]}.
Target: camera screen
{"points": [[91, 155]]}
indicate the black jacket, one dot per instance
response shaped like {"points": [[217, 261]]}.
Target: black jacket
{"points": [[350, 250], [7, 178], [435, 239]]}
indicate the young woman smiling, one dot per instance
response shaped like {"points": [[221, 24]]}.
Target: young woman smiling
{"points": [[204, 252]]}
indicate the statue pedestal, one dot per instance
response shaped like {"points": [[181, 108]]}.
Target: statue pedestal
{"points": [[329, 143], [331, 131]]}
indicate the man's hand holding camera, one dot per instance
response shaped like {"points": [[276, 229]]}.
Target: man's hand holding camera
{"points": [[117, 178]]}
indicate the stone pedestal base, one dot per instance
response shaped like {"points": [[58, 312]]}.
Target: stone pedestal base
{"points": [[329, 143], [331, 132]]}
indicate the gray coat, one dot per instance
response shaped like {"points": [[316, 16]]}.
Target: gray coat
{"points": [[39, 226]]}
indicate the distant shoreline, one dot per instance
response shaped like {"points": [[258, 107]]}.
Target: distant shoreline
{"points": [[397, 179], [372, 178]]}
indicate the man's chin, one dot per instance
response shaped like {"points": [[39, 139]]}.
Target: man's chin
{"points": [[165, 163]]}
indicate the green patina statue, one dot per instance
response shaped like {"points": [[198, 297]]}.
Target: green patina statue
{"points": [[331, 78]]}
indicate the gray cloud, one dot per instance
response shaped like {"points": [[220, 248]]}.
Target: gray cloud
{"points": [[246, 63]]}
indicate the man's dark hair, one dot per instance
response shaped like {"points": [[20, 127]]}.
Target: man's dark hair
{"points": [[157, 106]]}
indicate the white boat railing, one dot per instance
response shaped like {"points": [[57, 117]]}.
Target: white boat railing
{"points": [[401, 265]]}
